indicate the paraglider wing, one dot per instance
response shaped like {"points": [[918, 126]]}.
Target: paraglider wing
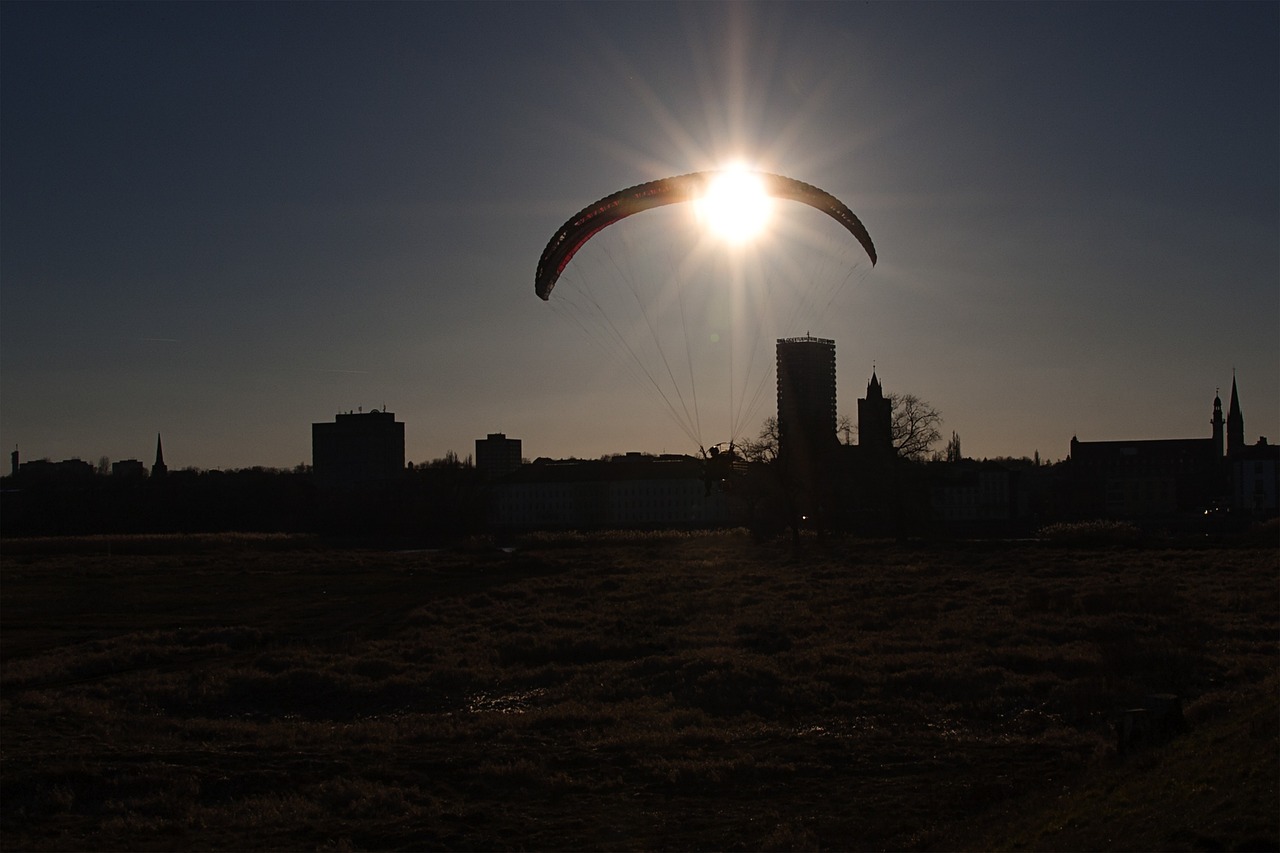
{"points": [[591, 219], [583, 225], [789, 188]]}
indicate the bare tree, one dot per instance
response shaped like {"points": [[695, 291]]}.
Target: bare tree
{"points": [[763, 448], [845, 429], [952, 453], [914, 426]]}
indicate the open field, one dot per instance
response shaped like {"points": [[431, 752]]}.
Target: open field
{"points": [[634, 693]]}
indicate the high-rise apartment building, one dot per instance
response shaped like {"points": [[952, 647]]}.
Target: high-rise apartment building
{"points": [[358, 449], [497, 456], [806, 398]]}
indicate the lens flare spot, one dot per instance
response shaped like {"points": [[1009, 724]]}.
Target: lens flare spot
{"points": [[735, 206]]}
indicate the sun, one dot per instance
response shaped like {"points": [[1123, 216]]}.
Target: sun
{"points": [[735, 206]]}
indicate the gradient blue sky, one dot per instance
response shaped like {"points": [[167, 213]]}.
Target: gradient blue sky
{"points": [[222, 222]]}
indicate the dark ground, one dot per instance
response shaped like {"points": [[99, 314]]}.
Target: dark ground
{"points": [[634, 692]]}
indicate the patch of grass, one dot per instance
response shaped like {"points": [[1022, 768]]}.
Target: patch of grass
{"points": [[1215, 788], [632, 691], [1091, 533], [125, 544]]}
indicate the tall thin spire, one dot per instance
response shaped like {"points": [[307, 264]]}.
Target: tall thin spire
{"points": [[1235, 421], [159, 469]]}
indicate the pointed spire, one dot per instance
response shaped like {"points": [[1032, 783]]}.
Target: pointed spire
{"points": [[1235, 421], [159, 469]]}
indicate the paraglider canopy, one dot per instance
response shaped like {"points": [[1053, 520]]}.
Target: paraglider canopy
{"points": [[691, 324], [735, 201]]}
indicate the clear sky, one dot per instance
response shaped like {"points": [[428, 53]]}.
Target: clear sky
{"points": [[223, 222]]}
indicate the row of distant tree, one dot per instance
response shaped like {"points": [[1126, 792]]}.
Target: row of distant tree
{"points": [[441, 498], [437, 498]]}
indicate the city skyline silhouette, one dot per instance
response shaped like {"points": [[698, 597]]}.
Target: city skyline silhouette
{"points": [[802, 471], [853, 428], [217, 231]]}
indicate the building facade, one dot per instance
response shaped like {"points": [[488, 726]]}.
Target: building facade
{"points": [[497, 456], [358, 449], [129, 468], [1255, 479], [630, 491], [806, 399], [1168, 478]]}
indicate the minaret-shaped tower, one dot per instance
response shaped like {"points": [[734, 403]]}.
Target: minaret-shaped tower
{"points": [[1217, 424], [159, 469], [1235, 422]]}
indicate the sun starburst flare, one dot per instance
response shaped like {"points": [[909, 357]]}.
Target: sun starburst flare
{"points": [[736, 206]]}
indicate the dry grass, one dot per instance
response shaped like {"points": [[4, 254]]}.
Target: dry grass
{"points": [[627, 692]]}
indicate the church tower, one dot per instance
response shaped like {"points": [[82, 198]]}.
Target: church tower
{"points": [[1217, 424], [159, 469], [1235, 423], [875, 418]]}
